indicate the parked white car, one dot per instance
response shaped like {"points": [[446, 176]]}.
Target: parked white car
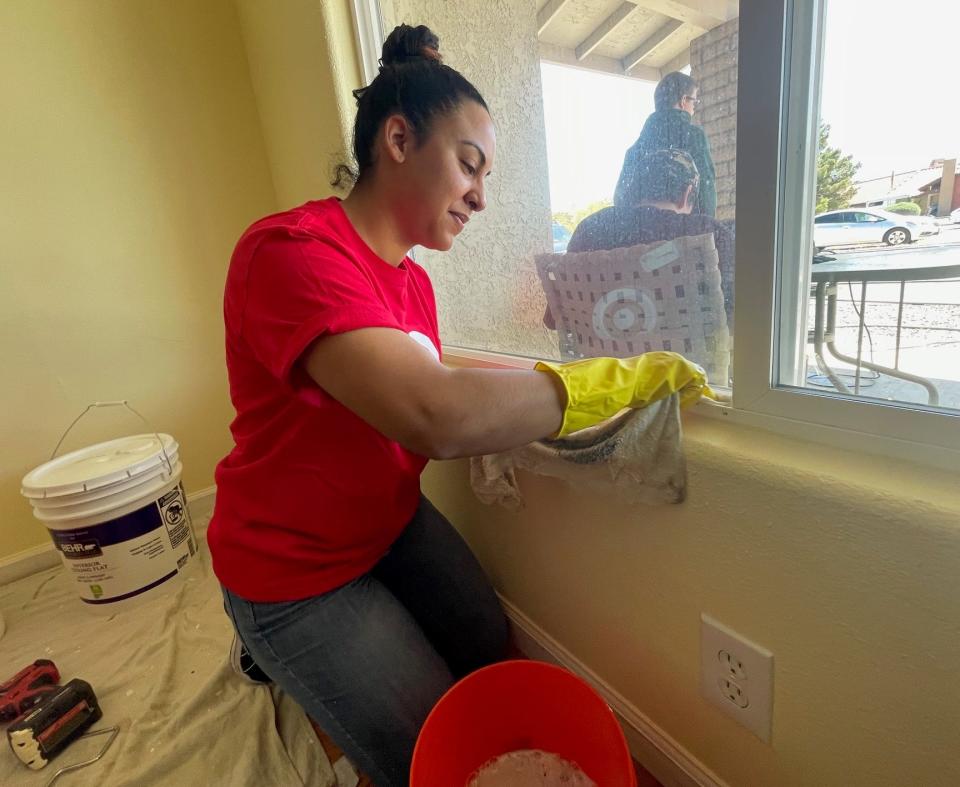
{"points": [[929, 225], [955, 217], [867, 225]]}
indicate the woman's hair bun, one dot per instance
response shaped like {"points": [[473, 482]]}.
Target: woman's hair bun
{"points": [[406, 44]]}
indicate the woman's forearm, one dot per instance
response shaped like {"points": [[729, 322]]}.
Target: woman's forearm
{"points": [[489, 410]]}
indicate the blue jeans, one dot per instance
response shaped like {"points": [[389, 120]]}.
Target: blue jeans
{"points": [[368, 660]]}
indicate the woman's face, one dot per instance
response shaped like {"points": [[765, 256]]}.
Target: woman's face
{"points": [[443, 176]]}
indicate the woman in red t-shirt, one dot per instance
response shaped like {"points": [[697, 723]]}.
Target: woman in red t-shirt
{"points": [[345, 585]]}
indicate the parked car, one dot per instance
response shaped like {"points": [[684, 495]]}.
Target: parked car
{"points": [[867, 225], [955, 217], [561, 237], [928, 224]]}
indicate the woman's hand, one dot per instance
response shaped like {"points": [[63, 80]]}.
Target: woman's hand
{"points": [[599, 388]]}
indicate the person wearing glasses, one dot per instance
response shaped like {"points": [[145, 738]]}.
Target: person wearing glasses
{"points": [[669, 127]]}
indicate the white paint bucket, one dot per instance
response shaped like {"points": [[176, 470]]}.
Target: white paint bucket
{"points": [[117, 513]]}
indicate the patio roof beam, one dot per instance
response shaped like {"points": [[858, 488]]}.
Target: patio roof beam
{"points": [[650, 43], [548, 13], [702, 13], [551, 53], [605, 28], [677, 63]]}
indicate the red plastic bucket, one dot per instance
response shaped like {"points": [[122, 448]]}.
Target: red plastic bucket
{"points": [[520, 705]]}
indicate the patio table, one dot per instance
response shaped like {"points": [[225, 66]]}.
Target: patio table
{"points": [[928, 264]]}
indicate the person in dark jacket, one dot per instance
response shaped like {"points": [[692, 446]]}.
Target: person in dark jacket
{"points": [[669, 127], [657, 206]]}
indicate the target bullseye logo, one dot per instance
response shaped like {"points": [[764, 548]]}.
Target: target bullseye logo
{"points": [[624, 313]]}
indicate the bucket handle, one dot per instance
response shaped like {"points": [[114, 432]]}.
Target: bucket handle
{"points": [[118, 403]]}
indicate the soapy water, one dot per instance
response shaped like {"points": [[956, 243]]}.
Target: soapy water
{"points": [[529, 768]]}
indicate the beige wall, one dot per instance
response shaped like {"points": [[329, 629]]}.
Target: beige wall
{"points": [[132, 159], [303, 66], [844, 566]]}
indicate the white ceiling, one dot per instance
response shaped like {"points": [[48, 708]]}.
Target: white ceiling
{"points": [[641, 39]]}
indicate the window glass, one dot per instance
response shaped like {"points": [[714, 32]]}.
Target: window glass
{"points": [[883, 315], [571, 94]]}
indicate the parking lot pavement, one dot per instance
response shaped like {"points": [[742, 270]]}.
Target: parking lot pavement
{"points": [[930, 336]]}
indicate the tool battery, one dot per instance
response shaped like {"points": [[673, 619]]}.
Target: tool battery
{"points": [[27, 688], [61, 717]]}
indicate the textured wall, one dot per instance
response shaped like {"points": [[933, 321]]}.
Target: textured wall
{"points": [[713, 63], [489, 296], [810, 551]]}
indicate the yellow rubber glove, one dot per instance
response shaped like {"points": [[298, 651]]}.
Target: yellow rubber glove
{"points": [[599, 388]]}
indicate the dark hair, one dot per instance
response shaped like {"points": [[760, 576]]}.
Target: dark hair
{"points": [[664, 176], [672, 88], [413, 82]]}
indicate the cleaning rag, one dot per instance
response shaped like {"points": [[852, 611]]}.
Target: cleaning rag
{"points": [[638, 456]]}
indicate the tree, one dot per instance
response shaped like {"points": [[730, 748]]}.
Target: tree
{"points": [[835, 171], [571, 220]]}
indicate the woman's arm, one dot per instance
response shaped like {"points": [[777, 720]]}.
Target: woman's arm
{"points": [[400, 389]]}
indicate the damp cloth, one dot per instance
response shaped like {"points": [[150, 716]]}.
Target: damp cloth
{"points": [[637, 456]]}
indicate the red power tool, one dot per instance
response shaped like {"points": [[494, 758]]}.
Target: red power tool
{"points": [[27, 688]]}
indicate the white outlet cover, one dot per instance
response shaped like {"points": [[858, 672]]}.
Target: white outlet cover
{"points": [[757, 667]]}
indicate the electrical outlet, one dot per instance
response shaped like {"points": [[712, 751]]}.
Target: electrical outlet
{"points": [[736, 675], [733, 666], [733, 691]]}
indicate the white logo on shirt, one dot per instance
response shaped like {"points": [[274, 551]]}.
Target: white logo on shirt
{"points": [[424, 341]]}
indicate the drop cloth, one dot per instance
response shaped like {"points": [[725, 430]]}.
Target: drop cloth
{"points": [[160, 671]]}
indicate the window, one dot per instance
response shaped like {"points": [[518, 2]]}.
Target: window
{"points": [[568, 103], [887, 309], [866, 342], [768, 79]]}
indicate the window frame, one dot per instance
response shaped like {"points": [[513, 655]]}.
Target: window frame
{"points": [[369, 34]]}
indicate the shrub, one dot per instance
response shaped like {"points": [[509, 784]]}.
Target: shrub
{"points": [[904, 208]]}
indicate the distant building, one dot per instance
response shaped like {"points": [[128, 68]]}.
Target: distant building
{"points": [[920, 185]]}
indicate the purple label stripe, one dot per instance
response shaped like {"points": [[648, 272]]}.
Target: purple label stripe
{"points": [[131, 593]]}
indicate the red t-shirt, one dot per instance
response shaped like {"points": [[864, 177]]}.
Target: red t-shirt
{"points": [[311, 496]]}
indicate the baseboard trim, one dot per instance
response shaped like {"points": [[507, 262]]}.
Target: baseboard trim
{"points": [[44, 556], [670, 763], [28, 561], [201, 505]]}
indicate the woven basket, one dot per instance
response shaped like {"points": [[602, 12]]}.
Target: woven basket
{"points": [[624, 302]]}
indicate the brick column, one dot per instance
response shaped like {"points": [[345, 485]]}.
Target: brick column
{"points": [[713, 63]]}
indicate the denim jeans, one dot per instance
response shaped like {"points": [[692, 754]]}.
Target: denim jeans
{"points": [[368, 660]]}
